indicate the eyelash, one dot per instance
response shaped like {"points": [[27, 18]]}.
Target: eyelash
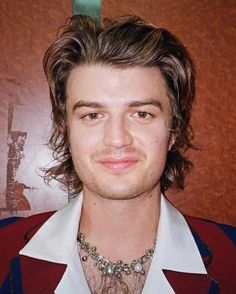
{"points": [[90, 116], [145, 113]]}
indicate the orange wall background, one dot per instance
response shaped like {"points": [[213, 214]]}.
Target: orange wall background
{"points": [[27, 28], [208, 30]]}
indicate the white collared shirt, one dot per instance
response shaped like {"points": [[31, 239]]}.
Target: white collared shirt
{"points": [[176, 248]]}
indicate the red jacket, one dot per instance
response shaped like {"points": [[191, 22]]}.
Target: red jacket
{"points": [[22, 274]]}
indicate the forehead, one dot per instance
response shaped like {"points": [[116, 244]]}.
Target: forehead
{"points": [[107, 84]]}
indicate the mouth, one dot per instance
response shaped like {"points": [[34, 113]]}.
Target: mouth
{"points": [[118, 165]]}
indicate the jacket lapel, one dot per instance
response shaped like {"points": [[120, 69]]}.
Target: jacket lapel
{"points": [[184, 283]]}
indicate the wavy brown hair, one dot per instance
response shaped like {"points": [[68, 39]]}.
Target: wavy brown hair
{"points": [[124, 42]]}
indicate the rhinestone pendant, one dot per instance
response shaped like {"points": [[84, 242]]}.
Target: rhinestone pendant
{"points": [[138, 267], [84, 258], [110, 271]]}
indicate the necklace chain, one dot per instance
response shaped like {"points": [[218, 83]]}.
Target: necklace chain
{"points": [[109, 268]]}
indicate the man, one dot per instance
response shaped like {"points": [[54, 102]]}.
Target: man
{"points": [[121, 99]]}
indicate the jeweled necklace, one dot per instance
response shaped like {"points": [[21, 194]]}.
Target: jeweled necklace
{"points": [[109, 268]]}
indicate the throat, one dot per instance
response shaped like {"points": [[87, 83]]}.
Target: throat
{"points": [[118, 243], [123, 229]]}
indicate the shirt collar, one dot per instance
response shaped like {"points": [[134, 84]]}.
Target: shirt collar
{"points": [[176, 249], [56, 239]]}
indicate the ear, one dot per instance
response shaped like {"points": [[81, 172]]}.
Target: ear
{"points": [[171, 141]]}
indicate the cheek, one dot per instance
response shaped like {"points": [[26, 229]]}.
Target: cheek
{"points": [[82, 145], [157, 137], [157, 148]]}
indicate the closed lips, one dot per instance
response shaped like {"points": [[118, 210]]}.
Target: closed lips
{"points": [[118, 163]]}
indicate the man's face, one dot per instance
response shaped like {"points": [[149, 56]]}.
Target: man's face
{"points": [[118, 122]]}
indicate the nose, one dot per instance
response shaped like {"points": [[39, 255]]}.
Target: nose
{"points": [[117, 134]]}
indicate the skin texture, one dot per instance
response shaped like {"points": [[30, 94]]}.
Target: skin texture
{"points": [[118, 122]]}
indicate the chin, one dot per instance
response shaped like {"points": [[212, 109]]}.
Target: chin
{"points": [[117, 192], [120, 187]]}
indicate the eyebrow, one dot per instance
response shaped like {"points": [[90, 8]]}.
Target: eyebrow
{"points": [[135, 103], [83, 103], [139, 103]]}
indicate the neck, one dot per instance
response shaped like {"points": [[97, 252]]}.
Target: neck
{"points": [[121, 229]]}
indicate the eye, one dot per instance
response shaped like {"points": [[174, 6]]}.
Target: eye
{"points": [[91, 116], [143, 114]]}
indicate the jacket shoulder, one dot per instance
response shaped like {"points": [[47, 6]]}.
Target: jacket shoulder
{"points": [[7, 221], [209, 226], [14, 228], [14, 234]]}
